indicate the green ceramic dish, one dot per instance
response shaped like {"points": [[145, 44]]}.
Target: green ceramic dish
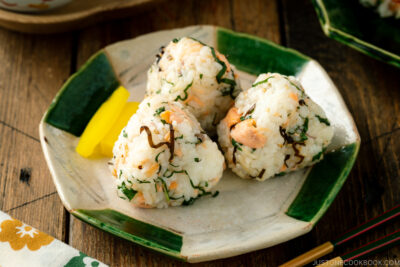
{"points": [[361, 28], [247, 215]]}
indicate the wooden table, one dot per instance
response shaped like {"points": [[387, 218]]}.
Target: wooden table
{"points": [[33, 68]]}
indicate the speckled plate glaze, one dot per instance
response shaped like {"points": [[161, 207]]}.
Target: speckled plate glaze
{"points": [[247, 215], [361, 28]]}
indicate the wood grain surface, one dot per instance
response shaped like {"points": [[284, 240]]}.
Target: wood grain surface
{"points": [[72, 16], [33, 68]]}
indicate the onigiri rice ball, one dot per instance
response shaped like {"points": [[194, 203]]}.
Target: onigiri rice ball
{"points": [[385, 8], [273, 128], [197, 76], [163, 157]]}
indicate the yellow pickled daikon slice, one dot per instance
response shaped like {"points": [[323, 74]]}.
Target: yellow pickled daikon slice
{"points": [[107, 143], [102, 122]]}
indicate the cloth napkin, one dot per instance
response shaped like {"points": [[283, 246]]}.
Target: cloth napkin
{"points": [[22, 245]]}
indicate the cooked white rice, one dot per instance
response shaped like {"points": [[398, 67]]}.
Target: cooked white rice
{"points": [[385, 8], [197, 76], [147, 174], [273, 128]]}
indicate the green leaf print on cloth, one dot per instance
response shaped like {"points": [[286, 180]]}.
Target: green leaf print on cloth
{"points": [[82, 260]]}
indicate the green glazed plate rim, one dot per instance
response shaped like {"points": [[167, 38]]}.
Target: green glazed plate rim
{"points": [[161, 240], [351, 40]]}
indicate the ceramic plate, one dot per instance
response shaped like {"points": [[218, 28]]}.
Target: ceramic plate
{"points": [[74, 15], [246, 215], [361, 28]]}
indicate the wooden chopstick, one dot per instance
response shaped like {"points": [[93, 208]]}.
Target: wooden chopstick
{"points": [[369, 225], [366, 250], [330, 245]]}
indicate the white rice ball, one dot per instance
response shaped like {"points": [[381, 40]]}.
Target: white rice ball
{"points": [[197, 76], [273, 128], [385, 8], [163, 158]]}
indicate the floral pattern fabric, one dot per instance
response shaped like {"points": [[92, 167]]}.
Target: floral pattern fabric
{"points": [[23, 245], [18, 234]]}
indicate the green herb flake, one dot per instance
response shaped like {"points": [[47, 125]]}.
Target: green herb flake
{"points": [[221, 73], [171, 83], [124, 134], [201, 76], [128, 192], [189, 202], [172, 173], [197, 159], [175, 198], [228, 90], [185, 92], [175, 40], [318, 155], [323, 120], [263, 81], [223, 69], [120, 174], [159, 169], [159, 155], [176, 166], [303, 135], [148, 104], [243, 118], [298, 88], [236, 144], [225, 91], [142, 181], [165, 188], [199, 141], [179, 137], [155, 185], [159, 111], [158, 91], [163, 122]]}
